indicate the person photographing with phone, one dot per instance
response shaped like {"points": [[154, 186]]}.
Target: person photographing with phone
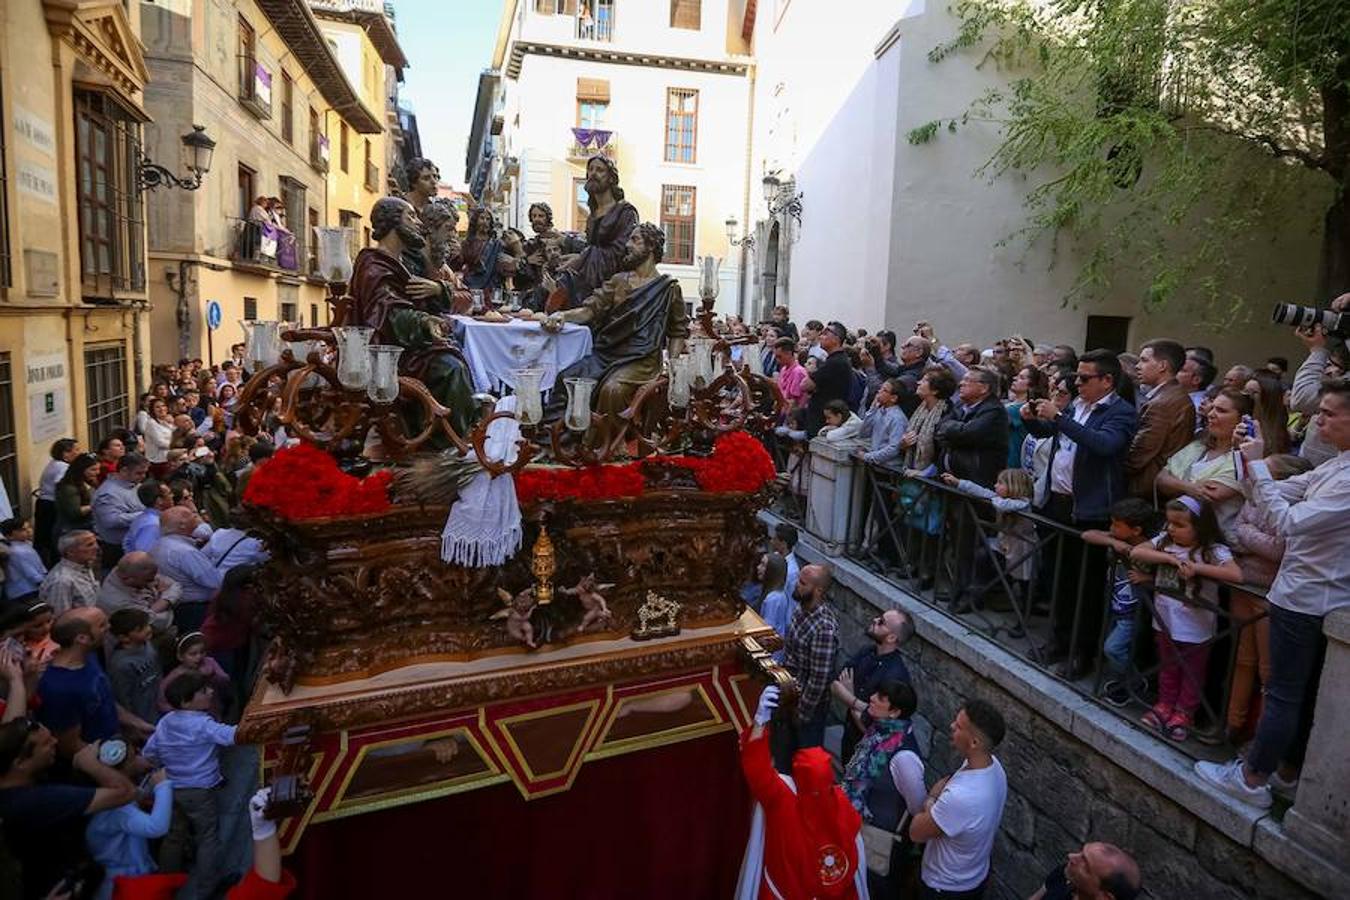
{"points": [[1308, 512]]}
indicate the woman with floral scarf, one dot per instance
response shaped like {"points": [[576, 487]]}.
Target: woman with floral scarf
{"points": [[881, 799], [884, 780]]}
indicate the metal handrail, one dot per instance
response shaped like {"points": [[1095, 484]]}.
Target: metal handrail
{"points": [[911, 537]]}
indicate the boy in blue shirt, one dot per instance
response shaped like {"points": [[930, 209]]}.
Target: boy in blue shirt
{"points": [[187, 744], [24, 569]]}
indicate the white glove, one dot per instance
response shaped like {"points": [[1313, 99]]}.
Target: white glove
{"points": [[768, 702], [263, 827]]}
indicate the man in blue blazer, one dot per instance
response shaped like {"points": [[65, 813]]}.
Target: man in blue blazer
{"points": [[1092, 437]]}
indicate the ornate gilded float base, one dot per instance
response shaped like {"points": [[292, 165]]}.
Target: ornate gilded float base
{"points": [[427, 731], [350, 599]]}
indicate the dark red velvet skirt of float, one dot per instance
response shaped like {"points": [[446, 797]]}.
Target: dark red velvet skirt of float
{"points": [[668, 823]]}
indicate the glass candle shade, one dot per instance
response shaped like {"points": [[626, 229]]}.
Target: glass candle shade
{"points": [[262, 342], [353, 362], [383, 387], [579, 390], [529, 402], [678, 392]]}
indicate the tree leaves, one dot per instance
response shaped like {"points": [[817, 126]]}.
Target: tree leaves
{"points": [[1170, 130]]}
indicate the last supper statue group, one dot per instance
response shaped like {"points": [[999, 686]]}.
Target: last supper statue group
{"points": [[417, 272]]}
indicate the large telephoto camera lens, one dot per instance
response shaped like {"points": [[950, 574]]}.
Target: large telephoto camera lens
{"points": [[1296, 316]]}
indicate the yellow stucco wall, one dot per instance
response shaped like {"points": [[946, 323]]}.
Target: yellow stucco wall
{"points": [[45, 327]]}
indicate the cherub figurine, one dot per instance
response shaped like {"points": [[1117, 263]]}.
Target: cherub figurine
{"points": [[517, 615], [588, 592]]}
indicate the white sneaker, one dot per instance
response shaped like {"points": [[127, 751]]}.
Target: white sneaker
{"points": [[1227, 777]]}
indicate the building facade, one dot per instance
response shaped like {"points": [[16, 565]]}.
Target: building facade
{"points": [[73, 295], [892, 233], [659, 86], [263, 80], [362, 39]]}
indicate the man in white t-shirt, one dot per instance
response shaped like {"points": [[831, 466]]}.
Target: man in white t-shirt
{"points": [[962, 813]]}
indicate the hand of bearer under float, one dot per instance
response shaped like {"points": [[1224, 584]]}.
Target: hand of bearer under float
{"points": [[263, 827], [768, 702]]}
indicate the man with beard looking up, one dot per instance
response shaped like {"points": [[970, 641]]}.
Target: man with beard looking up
{"points": [[433, 286], [612, 220], [632, 318], [380, 300]]}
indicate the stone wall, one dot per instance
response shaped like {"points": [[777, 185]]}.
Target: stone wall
{"points": [[1063, 790]]}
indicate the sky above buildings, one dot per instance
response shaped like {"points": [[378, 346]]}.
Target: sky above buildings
{"points": [[447, 45]]}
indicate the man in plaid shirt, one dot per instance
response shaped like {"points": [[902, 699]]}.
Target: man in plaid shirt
{"points": [[812, 641]]}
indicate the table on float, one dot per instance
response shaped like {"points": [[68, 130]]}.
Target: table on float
{"points": [[494, 349]]}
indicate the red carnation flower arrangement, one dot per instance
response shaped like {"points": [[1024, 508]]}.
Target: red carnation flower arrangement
{"points": [[738, 463], [304, 482]]}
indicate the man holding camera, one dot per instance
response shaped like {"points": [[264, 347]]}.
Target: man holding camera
{"points": [[1303, 396], [1308, 512], [1091, 439]]}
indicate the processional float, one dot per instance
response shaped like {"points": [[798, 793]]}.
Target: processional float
{"points": [[394, 676]]}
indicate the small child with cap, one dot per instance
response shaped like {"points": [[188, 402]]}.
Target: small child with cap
{"points": [[119, 838]]}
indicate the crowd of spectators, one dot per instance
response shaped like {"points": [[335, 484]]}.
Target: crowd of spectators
{"points": [[128, 650], [1191, 499]]}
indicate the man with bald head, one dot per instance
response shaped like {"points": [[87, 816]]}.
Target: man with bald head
{"points": [[77, 697], [1096, 872], [135, 582], [812, 642], [179, 559]]}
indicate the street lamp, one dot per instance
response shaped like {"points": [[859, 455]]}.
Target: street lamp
{"points": [[782, 197], [196, 158], [733, 228]]}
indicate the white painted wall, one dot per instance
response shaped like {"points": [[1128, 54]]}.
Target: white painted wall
{"points": [[893, 233], [348, 52], [824, 115]]}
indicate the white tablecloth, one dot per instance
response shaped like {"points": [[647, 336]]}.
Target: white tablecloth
{"points": [[495, 348]]}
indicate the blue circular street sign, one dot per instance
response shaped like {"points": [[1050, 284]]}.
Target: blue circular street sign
{"points": [[213, 315]]}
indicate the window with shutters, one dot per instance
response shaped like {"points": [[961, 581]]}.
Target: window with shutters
{"points": [[112, 216], [248, 59], [681, 125], [247, 179], [9, 445], [581, 210], [105, 390], [293, 201], [677, 218], [343, 150], [312, 242], [686, 14], [287, 109], [314, 315], [250, 308], [6, 267], [352, 222], [595, 20]]}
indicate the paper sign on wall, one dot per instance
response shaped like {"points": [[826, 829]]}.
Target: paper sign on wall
{"points": [[48, 397]]}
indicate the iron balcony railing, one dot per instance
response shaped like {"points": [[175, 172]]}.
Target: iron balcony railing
{"points": [[933, 542]]}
